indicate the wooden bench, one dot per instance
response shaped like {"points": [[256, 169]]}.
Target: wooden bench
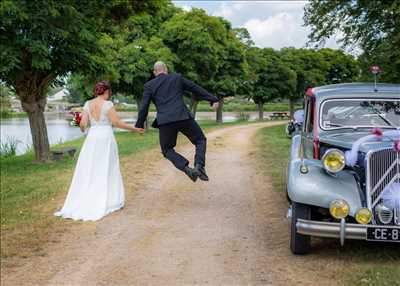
{"points": [[60, 153], [279, 115]]}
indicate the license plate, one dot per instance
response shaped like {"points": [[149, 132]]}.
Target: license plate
{"points": [[377, 233]]}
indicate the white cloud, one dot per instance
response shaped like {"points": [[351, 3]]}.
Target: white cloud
{"points": [[186, 8], [225, 11], [275, 24], [280, 30]]}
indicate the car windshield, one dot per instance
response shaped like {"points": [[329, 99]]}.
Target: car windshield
{"points": [[344, 113]]}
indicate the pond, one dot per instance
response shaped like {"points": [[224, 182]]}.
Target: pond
{"points": [[59, 129], [18, 130]]}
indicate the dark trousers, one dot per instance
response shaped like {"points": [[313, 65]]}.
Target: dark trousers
{"points": [[189, 128]]}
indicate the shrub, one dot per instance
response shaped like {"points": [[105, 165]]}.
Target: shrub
{"points": [[9, 147]]}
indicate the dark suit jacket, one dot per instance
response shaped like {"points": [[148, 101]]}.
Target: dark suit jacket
{"points": [[166, 92]]}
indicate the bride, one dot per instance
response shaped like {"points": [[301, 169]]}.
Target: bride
{"points": [[96, 188]]}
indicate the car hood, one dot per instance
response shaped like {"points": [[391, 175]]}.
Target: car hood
{"points": [[345, 140]]}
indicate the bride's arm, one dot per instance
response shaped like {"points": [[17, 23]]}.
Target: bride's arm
{"points": [[84, 121], [117, 122]]}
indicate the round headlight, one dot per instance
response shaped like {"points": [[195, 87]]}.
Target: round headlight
{"points": [[339, 209], [363, 216], [333, 160], [385, 214]]}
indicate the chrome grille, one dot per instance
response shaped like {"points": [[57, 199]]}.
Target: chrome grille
{"points": [[383, 169]]}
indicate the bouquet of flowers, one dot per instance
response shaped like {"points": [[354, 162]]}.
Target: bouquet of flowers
{"points": [[77, 116]]}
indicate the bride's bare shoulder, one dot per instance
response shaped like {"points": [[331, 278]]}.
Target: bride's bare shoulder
{"points": [[108, 105]]}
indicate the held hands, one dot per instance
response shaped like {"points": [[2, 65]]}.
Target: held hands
{"points": [[138, 130], [215, 106]]}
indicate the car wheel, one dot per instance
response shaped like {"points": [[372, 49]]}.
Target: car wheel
{"points": [[299, 243]]}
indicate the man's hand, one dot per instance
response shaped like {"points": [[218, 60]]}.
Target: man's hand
{"points": [[139, 130], [215, 106]]}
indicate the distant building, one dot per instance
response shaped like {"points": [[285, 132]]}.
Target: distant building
{"points": [[59, 96], [15, 104], [56, 102]]}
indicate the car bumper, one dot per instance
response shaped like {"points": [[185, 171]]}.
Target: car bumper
{"points": [[340, 229]]}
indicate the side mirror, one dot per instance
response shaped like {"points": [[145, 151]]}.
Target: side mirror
{"points": [[290, 129]]}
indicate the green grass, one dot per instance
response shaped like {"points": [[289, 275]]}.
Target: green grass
{"points": [[378, 275], [375, 263], [4, 113], [275, 159]]}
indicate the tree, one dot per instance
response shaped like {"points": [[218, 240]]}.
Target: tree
{"points": [[193, 36], [134, 46], [130, 50], [42, 40], [271, 77], [136, 62], [80, 88], [208, 52], [318, 67], [339, 67], [386, 57], [233, 71], [309, 68], [244, 36], [374, 26], [6, 91]]}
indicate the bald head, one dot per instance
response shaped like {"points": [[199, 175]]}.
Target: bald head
{"points": [[160, 67]]}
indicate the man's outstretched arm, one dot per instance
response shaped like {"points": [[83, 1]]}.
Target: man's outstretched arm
{"points": [[200, 92], [144, 107]]}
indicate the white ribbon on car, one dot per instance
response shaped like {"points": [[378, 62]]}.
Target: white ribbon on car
{"points": [[351, 156], [298, 116], [391, 196]]}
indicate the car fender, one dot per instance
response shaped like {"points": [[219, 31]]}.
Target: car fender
{"points": [[314, 186]]}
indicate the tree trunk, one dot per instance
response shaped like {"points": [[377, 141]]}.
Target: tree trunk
{"points": [[30, 88], [219, 110], [291, 107], [35, 111], [260, 111], [194, 104]]}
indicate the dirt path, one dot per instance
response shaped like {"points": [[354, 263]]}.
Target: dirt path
{"points": [[231, 230]]}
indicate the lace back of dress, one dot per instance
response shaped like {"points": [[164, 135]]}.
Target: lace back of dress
{"points": [[103, 118]]}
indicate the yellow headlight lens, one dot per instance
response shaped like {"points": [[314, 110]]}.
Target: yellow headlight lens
{"points": [[363, 216], [333, 160], [339, 209]]}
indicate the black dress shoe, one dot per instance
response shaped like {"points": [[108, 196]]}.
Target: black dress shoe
{"points": [[201, 173], [191, 173]]}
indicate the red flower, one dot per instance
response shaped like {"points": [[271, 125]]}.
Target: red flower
{"points": [[377, 132], [78, 117], [397, 145]]}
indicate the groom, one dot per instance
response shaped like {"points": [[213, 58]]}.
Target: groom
{"points": [[166, 92]]}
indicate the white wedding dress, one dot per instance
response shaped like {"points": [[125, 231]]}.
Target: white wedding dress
{"points": [[96, 188]]}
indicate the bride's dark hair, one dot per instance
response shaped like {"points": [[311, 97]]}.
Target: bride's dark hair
{"points": [[101, 87]]}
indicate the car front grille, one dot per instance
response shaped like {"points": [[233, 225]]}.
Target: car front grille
{"points": [[383, 170]]}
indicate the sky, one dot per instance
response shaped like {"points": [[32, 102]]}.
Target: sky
{"points": [[273, 24]]}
